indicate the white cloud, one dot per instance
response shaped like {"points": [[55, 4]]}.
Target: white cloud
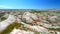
{"points": [[5, 7]]}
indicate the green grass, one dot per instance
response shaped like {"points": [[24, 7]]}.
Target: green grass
{"points": [[10, 28], [1, 15], [16, 25], [57, 29]]}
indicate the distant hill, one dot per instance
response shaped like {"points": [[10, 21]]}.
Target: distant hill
{"points": [[19, 10]]}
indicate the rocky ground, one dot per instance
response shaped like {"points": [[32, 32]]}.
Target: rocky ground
{"points": [[33, 22]]}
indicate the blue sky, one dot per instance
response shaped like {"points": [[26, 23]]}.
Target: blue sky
{"points": [[29, 4]]}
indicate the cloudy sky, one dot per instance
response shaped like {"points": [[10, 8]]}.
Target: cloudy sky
{"points": [[29, 4]]}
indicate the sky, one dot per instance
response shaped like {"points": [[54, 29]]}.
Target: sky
{"points": [[29, 4]]}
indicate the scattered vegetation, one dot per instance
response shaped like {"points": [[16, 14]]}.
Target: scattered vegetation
{"points": [[16, 25], [10, 28]]}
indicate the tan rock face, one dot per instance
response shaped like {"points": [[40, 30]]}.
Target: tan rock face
{"points": [[7, 22], [53, 19], [18, 31], [29, 17]]}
